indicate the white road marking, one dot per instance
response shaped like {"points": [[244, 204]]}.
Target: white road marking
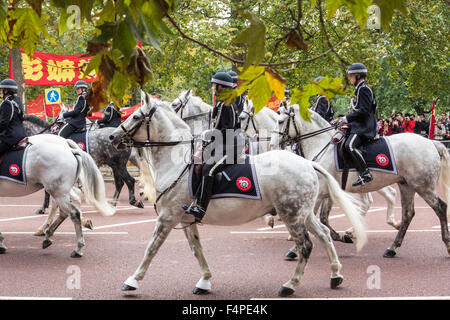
{"points": [[124, 224], [364, 298], [368, 231], [35, 298], [438, 227], [46, 215], [69, 232]]}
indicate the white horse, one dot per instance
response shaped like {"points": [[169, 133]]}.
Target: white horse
{"points": [[416, 173], [261, 126], [288, 185], [55, 164]]}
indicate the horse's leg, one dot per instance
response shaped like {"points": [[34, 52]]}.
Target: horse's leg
{"points": [[51, 216], [45, 205], [389, 194], [300, 235], [3, 247], [118, 182], [325, 209], [366, 202], [165, 223], [75, 215], [440, 208], [203, 285], [52, 228], [407, 198], [130, 182], [323, 234]]}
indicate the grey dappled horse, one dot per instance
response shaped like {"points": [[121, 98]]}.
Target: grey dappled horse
{"points": [[288, 184], [101, 151], [55, 164], [421, 163]]}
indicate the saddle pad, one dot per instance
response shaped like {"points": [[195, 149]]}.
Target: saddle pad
{"points": [[12, 166], [81, 139], [378, 156], [238, 181]]}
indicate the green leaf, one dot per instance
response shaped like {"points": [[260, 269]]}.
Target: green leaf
{"points": [[94, 64], [124, 40], [259, 92], [254, 38], [118, 88], [227, 95], [387, 8], [357, 8]]}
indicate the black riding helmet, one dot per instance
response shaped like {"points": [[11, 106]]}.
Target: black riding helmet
{"points": [[81, 84], [224, 79], [358, 69], [9, 85], [234, 76]]}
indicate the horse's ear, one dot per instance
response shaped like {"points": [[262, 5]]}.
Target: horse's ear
{"points": [[148, 100], [188, 93]]}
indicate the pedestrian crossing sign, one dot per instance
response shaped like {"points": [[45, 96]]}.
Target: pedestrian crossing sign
{"points": [[53, 96]]}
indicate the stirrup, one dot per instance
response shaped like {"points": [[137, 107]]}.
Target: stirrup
{"points": [[363, 179]]}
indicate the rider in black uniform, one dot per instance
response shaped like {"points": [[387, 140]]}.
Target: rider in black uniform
{"points": [[76, 119], [111, 117], [225, 119], [362, 121], [322, 106], [11, 117], [240, 100]]}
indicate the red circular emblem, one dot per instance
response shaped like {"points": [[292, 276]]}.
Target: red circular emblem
{"points": [[14, 170], [382, 160], [81, 145], [243, 183]]}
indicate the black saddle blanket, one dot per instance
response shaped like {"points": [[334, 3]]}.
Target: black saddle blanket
{"points": [[378, 155], [234, 181], [81, 139], [12, 166]]}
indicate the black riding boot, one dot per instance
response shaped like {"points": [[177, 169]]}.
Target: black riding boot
{"points": [[364, 173], [199, 210]]}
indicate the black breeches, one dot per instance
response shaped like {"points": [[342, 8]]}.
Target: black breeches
{"points": [[4, 147], [66, 130], [352, 145]]}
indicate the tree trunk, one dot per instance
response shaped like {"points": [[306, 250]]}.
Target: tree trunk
{"points": [[17, 69]]}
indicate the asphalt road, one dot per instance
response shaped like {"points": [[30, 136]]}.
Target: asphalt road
{"points": [[247, 261]]}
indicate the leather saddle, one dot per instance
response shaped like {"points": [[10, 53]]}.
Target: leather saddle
{"points": [[22, 144]]}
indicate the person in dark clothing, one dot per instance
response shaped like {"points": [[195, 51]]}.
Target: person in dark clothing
{"points": [[111, 117], [362, 121], [11, 117], [422, 126], [323, 106], [76, 119], [240, 100], [225, 119]]}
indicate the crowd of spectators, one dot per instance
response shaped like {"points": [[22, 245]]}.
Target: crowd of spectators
{"points": [[397, 123]]}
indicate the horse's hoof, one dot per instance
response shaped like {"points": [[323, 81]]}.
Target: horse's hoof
{"points": [[346, 239], [46, 244], [75, 254], [137, 204], [39, 233], [40, 211], [88, 224], [126, 287], [291, 255], [290, 238], [335, 282], [389, 253], [2, 250], [448, 250], [199, 291], [285, 292]]}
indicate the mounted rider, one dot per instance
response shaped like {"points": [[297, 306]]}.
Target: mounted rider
{"points": [[76, 119], [224, 119], [240, 100], [11, 117], [323, 106], [362, 121], [111, 117]]}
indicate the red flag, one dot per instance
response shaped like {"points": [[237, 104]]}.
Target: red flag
{"points": [[36, 107], [432, 121], [52, 110]]}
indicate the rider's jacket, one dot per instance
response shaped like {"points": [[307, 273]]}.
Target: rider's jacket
{"points": [[323, 107], [11, 125], [225, 116], [111, 117], [362, 120], [77, 117]]}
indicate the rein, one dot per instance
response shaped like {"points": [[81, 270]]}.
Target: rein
{"points": [[195, 116], [251, 117]]}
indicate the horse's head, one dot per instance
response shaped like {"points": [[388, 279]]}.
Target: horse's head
{"points": [[181, 101], [289, 127]]}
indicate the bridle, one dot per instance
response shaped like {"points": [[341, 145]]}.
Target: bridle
{"points": [[286, 139], [251, 119], [183, 105]]}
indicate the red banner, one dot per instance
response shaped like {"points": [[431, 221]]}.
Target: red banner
{"points": [[273, 103], [36, 107], [53, 69], [52, 110]]}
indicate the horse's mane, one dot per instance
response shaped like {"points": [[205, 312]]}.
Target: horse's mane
{"points": [[314, 116], [36, 120]]}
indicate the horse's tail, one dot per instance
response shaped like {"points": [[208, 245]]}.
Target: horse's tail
{"points": [[444, 177], [146, 176], [346, 203], [92, 181]]}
